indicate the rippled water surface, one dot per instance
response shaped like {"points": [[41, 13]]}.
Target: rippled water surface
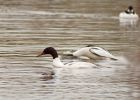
{"points": [[28, 26]]}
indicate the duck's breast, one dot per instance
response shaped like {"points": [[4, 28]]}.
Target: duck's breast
{"points": [[57, 63]]}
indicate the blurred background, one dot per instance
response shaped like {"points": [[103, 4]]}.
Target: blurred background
{"points": [[28, 26]]}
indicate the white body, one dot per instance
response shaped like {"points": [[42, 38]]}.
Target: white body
{"points": [[93, 53], [128, 16], [57, 63]]}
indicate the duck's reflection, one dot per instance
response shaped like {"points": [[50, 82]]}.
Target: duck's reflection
{"points": [[124, 22]]}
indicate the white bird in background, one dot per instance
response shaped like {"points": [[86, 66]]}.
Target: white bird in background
{"points": [[129, 14], [57, 62]]}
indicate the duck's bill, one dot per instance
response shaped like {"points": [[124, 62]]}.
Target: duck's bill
{"points": [[39, 55]]}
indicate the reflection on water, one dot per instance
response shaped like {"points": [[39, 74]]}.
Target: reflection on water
{"points": [[128, 22], [27, 27]]}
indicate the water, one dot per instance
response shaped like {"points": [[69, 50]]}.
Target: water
{"points": [[28, 26]]}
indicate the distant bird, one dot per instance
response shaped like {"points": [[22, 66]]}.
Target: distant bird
{"points": [[129, 13], [58, 63]]}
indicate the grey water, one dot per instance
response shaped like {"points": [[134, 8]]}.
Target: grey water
{"points": [[29, 26]]}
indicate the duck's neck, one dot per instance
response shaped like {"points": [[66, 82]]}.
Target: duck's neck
{"points": [[57, 62]]}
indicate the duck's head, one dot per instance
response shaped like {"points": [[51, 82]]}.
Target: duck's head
{"points": [[49, 50], [130, 7]]}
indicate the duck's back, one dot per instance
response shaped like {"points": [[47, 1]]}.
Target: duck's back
{"points": [[129, 16], [85, 52]]}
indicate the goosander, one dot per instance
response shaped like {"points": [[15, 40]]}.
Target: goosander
{"points": [[129, 13], [58, 63], [93, 53]]}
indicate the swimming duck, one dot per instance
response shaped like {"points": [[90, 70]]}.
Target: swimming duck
{"points": [[93, 53], [129, 13], [58, 63]]}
